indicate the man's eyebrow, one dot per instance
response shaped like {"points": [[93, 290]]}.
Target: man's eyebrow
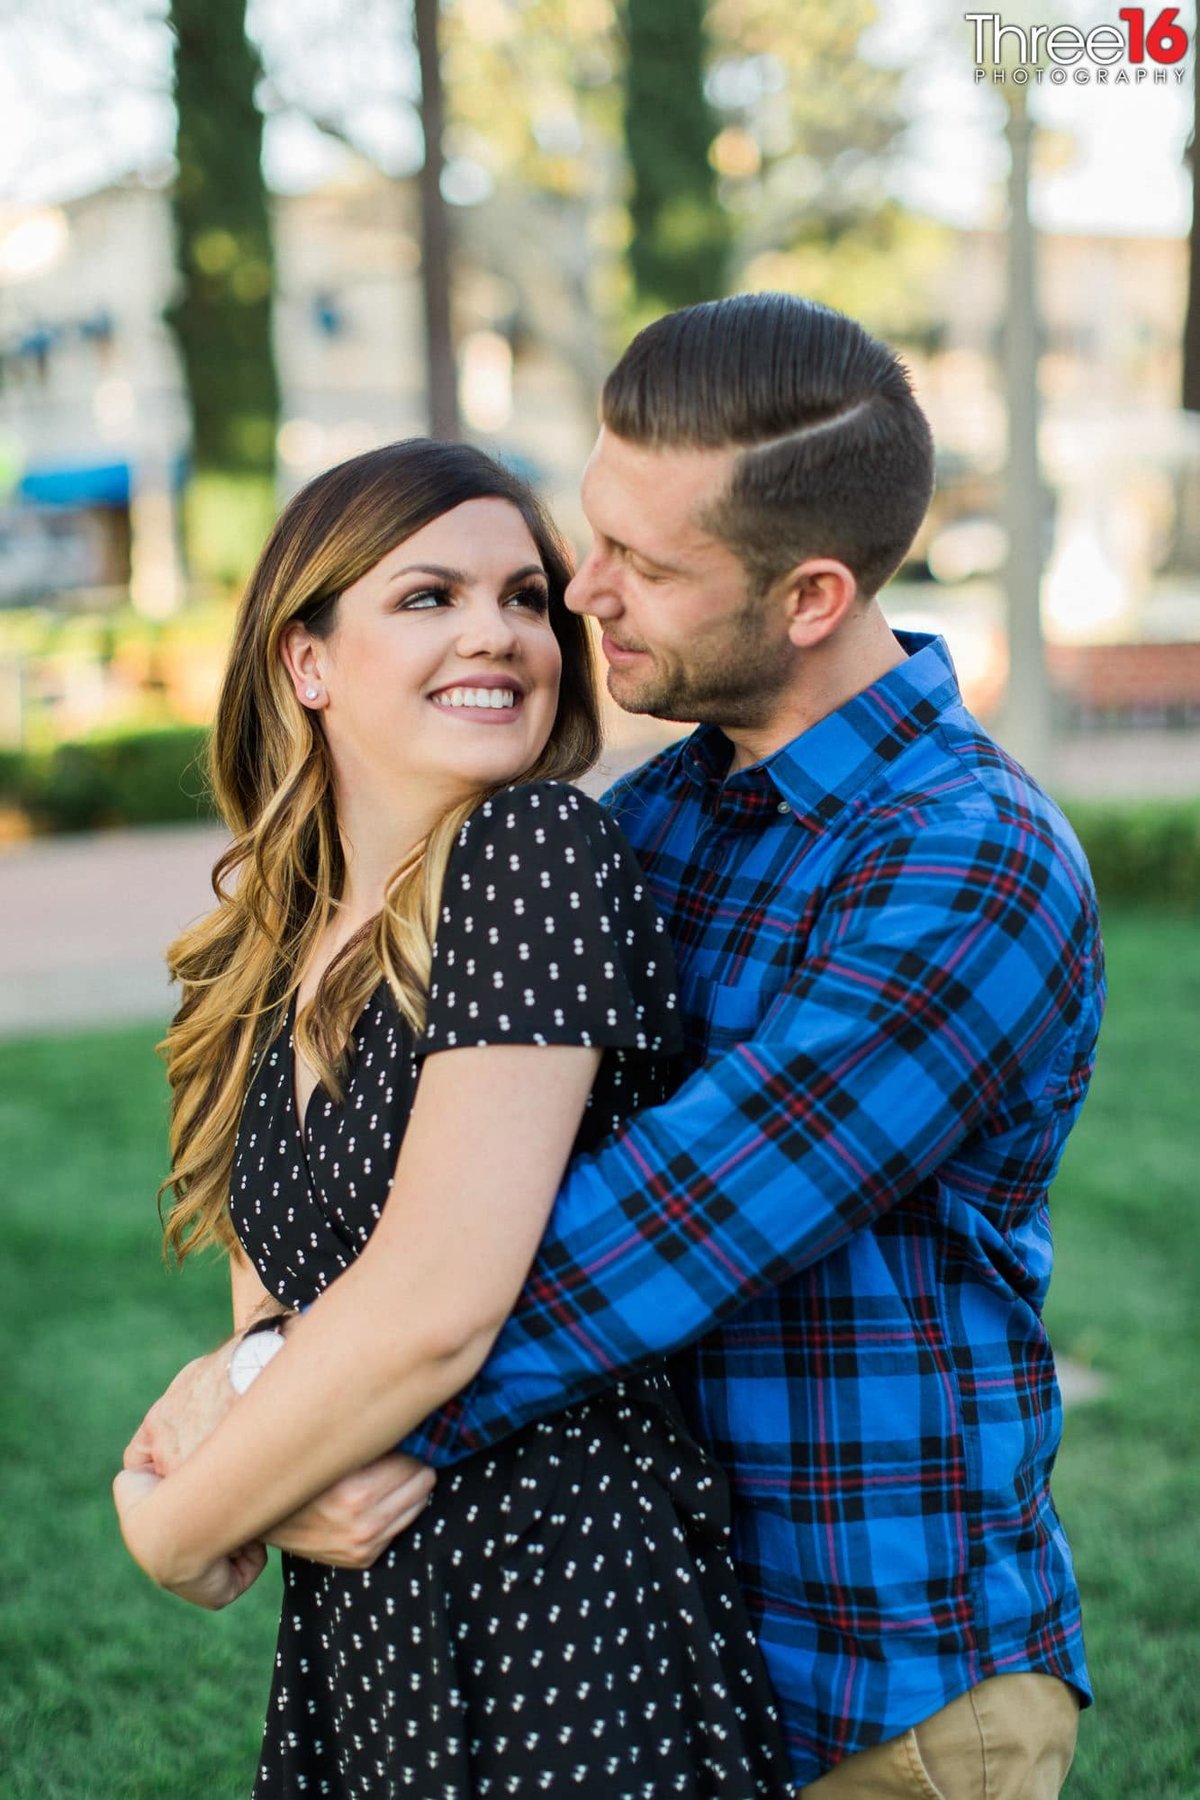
{"points": [[460, 578], [628, 550]]}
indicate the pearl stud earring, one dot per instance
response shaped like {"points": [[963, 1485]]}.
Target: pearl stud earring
{"points": [[310, 693]]}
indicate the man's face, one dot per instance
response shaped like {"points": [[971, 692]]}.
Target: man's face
{"points": [[683, 634]]}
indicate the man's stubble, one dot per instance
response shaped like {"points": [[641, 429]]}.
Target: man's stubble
{"points": [[735, 677]]}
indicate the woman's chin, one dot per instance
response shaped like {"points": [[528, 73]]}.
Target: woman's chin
{"points": [[485, 766]]}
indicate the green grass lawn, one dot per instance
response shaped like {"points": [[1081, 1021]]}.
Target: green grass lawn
{"points": [[111, 1689]]}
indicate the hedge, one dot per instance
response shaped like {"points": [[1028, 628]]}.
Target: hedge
{"points": [[142, 778], [1141, 852]]}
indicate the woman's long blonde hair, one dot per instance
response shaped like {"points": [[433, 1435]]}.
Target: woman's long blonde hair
{"points": [[271, 775]]}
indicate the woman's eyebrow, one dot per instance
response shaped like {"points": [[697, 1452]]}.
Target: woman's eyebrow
{"points": [[455, 576], [460, 578]]}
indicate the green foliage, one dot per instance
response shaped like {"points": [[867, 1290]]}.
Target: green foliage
{"points": [[110, 1688], [140, 778], [1122, 1299], [226, 521], [1142, 854], [680, 234], [222, 314], [811, 127]]}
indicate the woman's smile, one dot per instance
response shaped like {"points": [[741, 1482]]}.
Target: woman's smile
{"points": [[482, 699]]}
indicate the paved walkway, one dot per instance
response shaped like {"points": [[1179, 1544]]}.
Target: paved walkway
{"points": [[87, 919]]}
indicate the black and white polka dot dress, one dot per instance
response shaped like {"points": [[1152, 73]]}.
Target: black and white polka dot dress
{"points": [[564, 1618]]}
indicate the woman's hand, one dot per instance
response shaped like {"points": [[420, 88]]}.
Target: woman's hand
{"points": [[213, 1587]]}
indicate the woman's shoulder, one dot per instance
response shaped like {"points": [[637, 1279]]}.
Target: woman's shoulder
{"points": [[541, 812]]}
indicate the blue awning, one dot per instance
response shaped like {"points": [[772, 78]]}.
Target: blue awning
{"points": [[76, 484]]}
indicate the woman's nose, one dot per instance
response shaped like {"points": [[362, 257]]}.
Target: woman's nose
{"points": [[487, 627]]}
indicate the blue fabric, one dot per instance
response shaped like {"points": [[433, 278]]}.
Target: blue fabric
{"points": [[892, 983]]}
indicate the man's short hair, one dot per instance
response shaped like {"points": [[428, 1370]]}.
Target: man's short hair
{"points": [[836, 456]]}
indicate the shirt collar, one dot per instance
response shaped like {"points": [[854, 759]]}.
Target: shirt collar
{"points": [[819, 772]]}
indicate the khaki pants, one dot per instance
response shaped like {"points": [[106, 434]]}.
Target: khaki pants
{"points": [[1011, 1738]]}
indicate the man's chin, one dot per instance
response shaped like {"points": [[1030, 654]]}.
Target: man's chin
{"points": [[642, 697]]}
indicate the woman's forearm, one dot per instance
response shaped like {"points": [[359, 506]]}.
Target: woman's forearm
{"points": [[359, 1370], [408, 1324]]}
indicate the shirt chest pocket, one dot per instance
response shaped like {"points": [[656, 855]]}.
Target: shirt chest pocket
{"points": [[731, 1012]]}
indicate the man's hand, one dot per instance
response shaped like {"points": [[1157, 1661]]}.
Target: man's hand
{"points": [[353, 1522], [193, 1406]]}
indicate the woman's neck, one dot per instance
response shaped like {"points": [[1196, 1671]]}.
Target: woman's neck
{"points": [[376, 837]]}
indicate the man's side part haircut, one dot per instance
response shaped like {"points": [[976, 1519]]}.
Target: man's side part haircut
{"points": [[836, 456]]}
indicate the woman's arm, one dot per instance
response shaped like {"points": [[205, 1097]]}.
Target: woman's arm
{"points": [[404, 1328]]}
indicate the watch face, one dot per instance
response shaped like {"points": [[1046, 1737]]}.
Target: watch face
{"points": [[251, 1356]]}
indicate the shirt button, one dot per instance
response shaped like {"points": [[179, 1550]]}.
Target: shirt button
{"points": [[783, 807]]}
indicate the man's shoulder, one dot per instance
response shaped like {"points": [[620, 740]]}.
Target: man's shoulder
{"points": [[957, 783]]}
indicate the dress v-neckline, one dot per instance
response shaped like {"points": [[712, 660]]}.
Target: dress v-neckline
{"points": [[299, 1118]]}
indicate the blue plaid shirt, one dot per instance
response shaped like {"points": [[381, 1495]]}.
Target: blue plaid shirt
{"points": [[892, 981]]}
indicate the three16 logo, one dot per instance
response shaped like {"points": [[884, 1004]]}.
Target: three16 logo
{"points": [[1143, 47]]}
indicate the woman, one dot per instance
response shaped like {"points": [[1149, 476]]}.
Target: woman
{"points": [[420, 892]]}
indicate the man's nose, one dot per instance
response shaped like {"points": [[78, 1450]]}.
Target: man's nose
{"points": [[592, 588]]}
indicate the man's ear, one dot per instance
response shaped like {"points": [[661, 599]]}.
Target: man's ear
{"points": [[817, 595]]}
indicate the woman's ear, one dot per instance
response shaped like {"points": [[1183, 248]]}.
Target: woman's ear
{"points": [[300, 654], [818, 594]]}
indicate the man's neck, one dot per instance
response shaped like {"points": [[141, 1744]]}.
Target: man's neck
{"points": [[862, 652]]}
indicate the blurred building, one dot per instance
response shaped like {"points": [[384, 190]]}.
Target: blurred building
{"points": [[94, 433], [1120, 460], [93, 418]]}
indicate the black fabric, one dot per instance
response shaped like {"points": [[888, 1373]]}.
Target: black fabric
{"points": [[564, 1618]]}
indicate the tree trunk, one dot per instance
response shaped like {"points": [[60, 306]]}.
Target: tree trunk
{"points": [[221, 316], [441, 375], [680, 234], [1027, 729]]}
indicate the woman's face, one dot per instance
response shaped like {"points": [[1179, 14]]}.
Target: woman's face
{"points": [[441, 673]]}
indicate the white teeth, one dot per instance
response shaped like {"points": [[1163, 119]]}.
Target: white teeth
{"points": [[493, 698]]}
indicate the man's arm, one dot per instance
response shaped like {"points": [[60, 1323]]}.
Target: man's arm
{"points": [[947, 963]]}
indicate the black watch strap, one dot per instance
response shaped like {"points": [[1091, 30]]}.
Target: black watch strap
{"points": [[272, 1322]]}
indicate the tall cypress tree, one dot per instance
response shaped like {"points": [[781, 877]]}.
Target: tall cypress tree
{"points": [[222, 314], [680, 234]]}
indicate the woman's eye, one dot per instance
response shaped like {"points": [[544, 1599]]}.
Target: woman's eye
{"points": [[536, 598], [425, 600]]}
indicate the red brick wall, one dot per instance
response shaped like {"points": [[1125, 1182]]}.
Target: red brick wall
{"points": [[1127, 678]]}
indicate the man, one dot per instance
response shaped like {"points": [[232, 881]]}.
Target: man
{"points": [[892, 981]]}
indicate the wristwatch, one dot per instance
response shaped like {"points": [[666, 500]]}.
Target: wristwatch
{"points": [[254, 1350]]}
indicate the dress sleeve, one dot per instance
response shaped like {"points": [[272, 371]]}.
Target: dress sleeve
{"points": [[547, 932]]}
